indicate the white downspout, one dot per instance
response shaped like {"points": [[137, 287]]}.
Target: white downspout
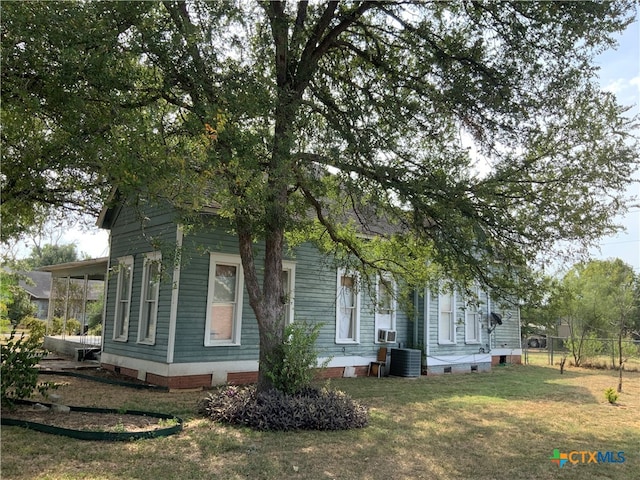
{"points": [[415, 316], [427, 308], [175, 287], [105, 291]]}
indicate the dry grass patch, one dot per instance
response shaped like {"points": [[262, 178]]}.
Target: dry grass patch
{"points": [[499, 425]]}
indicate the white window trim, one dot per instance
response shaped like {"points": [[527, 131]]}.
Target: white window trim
{"points": [[289, 266], [393, 307], [343, 272], [128, 261], [151, 340], [448, 341], [224, 259], [471, 314]]}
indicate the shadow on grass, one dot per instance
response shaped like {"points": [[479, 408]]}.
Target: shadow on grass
{"points": [[515, 382], [499, 425]]}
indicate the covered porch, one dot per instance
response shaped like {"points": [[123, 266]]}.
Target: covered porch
{"points": [[80, 280]]}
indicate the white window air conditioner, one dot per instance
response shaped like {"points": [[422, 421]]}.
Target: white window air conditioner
{"points": [[386, 336]]}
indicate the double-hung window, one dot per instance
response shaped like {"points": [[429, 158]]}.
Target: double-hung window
{"points": [[446, 318], [123, 299], [224, 304], [149, 298], [385, 316], [347, 308]]}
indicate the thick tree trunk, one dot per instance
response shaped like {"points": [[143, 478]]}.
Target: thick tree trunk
{"points": [[271, 325], [266, 302], [293, 74]]}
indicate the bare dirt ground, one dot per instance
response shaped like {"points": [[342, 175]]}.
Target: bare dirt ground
{"points": [[87, 421], [82, 392]]}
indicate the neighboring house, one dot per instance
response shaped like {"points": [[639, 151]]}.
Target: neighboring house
{"points": [[177, 313], [38, 286]]}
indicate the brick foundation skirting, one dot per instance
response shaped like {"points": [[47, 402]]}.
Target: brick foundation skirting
{"points": [[204, 380], [179, 382], [514, 359], [242, 378]]}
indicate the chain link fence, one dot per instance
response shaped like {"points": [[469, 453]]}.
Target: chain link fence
{"points": [[594, 352]]}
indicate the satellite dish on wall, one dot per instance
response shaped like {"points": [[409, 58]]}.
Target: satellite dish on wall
{"points": [[495, 320]]}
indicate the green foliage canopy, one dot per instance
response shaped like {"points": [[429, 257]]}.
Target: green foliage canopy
{"points": [[50, 254], [249, 105], [15, 302], [601, 296], [255, 98]]}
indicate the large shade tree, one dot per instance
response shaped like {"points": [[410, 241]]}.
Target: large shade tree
{"points": [[475, 130]]}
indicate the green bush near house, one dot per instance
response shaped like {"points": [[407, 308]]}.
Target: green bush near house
{"points": [[19, 372], [292, 404], [5, 325], [294, 363], [37, 328], [57, 326]]}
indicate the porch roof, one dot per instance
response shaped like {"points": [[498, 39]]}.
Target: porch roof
{"points": [[93, 268]]}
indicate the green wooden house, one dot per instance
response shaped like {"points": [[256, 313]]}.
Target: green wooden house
{"points": [[177, 314]]}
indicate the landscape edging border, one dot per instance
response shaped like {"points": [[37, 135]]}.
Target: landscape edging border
{"points": [[93, 435], [109, 381]]}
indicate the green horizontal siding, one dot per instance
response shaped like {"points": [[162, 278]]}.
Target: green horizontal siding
{"points": [[314, 298], [129, 239], [506, 335], [314, 302]]}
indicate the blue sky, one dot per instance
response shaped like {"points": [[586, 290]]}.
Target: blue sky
{"points": [[620, 74]]}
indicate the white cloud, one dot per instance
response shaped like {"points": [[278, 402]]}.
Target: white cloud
{"points": [[616, 86]]}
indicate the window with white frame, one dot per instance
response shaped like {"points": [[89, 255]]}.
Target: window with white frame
{"points": [[123, 299], [149, 298], [385, 316], [446, 318], [347, 308], [224, 304], [472, 318], [288, 288]]}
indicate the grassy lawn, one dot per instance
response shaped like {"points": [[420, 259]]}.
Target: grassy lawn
{"points": [[499, 425]]}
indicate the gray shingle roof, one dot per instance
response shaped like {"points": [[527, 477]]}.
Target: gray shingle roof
{"points": [[40, 288]]}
